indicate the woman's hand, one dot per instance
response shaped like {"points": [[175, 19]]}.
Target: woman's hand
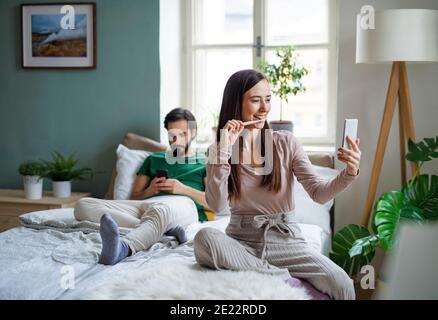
{"points": [[173, 186], [351, 157], [231, 131]]}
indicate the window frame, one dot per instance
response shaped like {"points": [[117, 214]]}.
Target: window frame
{"points": [[259, 21]]}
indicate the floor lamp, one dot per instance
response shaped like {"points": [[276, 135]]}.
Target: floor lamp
{"points": [[397, 36]]}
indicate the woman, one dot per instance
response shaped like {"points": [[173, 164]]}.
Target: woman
{"points": [[261, 234]]}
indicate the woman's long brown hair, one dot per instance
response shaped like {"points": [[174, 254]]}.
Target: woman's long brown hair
{"points": [[239, 83]]}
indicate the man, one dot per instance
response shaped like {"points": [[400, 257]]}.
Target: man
{"points": [[186, 178], [158, 205]]}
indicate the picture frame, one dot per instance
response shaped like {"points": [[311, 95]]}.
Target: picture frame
{"points": [[58, 35]]}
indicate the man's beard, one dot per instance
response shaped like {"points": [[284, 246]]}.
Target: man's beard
{"points": [[180, 151]]}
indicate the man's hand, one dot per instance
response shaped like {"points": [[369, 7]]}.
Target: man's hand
{"points": [[173, 186], [153, 188]]}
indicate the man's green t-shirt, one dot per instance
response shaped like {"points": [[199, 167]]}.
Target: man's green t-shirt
{"points": [[191, 173]]}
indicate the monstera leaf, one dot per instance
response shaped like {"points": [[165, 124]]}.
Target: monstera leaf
{"points": [[391, 207], [416, 202], [354, 246], [342, 244], [422, 194], [422, 151]]}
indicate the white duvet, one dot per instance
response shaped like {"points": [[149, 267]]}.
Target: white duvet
{"points": [[43, 261], [55, 257]]}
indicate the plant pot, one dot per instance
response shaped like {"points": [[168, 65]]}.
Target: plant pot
{"points": [[61, 189], [33, 187], [282, 125]]}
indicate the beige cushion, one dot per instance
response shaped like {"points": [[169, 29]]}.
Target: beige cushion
{"points": [[322, 159], [137, 142]]}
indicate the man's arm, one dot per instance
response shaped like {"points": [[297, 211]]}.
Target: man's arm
{"points": [[139, 190], [198, 196], [174, 186]]}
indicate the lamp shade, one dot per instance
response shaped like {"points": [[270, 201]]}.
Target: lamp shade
{"points": [[409, 35]]}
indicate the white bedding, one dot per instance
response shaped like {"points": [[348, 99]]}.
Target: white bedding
{"points": [[35, 263], [36, 260]]}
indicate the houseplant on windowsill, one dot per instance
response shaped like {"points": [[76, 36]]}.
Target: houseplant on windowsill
{"points": [[417, 202], [61, 170], [286, 79], [215, 120], [33, 173]]}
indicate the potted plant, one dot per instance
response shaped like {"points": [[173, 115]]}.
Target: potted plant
{"points": [[61, 170], [417, 202], [33, 173], [286, 79], [215, 120]]}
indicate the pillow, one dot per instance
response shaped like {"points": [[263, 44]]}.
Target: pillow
{"points": [[128, 163], [308, 211], [326, 173]]}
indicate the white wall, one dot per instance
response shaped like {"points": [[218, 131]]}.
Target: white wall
{"points": [[361, 94], [171, 59]]}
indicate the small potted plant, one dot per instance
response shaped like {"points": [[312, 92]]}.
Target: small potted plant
{"points": [[285, 78], [61, 170], [33, 173]]}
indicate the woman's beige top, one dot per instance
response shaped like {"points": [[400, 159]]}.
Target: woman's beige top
{"points": [[258, 200]]}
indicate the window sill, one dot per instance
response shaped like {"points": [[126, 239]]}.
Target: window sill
{"points": [[319, 149], [202, 147]]}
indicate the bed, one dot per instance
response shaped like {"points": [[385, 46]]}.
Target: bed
{"points": [[54, 256]]}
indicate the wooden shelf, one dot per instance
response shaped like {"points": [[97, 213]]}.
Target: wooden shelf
{"points": [[13, 204]]}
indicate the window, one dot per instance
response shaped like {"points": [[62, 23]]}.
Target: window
{"points": [[224, 36]]}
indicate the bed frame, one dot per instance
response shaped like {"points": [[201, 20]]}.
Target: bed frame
{"points": [[137, 142]]}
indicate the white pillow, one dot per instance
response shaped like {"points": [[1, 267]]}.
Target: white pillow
{"points": [[326, 173], [128, 163]]}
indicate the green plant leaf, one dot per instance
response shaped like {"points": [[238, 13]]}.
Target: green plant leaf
{"points": [[364, 246], [422, 151], [343, 242], [62, 168], [285, 77], [387, 215], [32, 168], [417, 202], [422, 196]]}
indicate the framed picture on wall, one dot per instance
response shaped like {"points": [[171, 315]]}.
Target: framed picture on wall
{"points": [[58, 35]]}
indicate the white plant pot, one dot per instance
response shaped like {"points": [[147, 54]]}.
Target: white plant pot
{"points": [[61, 189], [33, 187]]}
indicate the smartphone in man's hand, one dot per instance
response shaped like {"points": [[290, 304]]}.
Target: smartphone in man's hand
{"points": [[162, 173], [350, 129]]}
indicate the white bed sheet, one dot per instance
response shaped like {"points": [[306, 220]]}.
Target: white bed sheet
{"points": [[35, 264]]}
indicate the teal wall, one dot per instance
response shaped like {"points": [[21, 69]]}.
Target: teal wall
{"points": [[82, 111]]}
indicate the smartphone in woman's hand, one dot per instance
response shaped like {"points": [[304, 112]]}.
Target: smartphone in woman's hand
{"points": [[350, 129]]}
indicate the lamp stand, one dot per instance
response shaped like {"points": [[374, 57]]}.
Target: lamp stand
{"points": [[398, 87]]}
